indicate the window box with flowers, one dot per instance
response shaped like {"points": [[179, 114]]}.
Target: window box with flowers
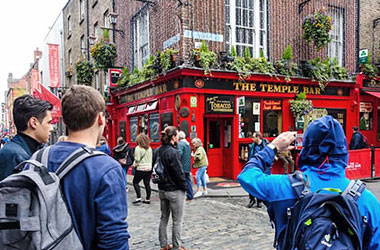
{"points": [[85, 71], [316, 28]]}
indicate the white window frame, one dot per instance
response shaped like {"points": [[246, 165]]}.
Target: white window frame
{"points": [[335, 47], [81, 10], [83, 45], [70, 57], [141, 44], [69, 25], [96, 31], [106, 19], [256, 28]]}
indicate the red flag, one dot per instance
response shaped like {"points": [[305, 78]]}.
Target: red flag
{"points": [[44, 94], [54, 66]]}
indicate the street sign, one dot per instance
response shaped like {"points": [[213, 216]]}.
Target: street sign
{"points": [[114, 75], [363, 56]]}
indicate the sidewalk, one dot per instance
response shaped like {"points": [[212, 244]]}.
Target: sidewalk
{"points": [[217, 187]]}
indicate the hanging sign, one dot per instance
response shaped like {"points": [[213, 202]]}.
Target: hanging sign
{"points": [[219, 104]]}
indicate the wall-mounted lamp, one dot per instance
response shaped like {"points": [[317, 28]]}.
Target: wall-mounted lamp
{"points": [[113, 20]]}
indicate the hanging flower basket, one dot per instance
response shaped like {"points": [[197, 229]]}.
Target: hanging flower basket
{"points": [[300, 106], [85, 71], [104, 54], [316, 28]]}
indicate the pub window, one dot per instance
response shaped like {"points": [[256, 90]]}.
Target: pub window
{"points": [[335, 48], [122, 129], [166, 120], [249, 117], [154, 127], [366, 116], [133, 128], [246, 25], [272, 118], [339, 115], [143, 124]]}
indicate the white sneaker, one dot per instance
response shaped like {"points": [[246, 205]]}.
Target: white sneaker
{"points": [[197, 194], [205, 193]]}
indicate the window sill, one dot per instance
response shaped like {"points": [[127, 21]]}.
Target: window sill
{"points": [[68, 37], [81, 20], [94, 3]]}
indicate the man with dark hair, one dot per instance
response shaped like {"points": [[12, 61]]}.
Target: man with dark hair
{"points": [[95, 188], [172, 192], [357, 139], [32, 118]]}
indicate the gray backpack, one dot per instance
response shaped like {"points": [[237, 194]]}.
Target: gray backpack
{"points": [[33, 212]]}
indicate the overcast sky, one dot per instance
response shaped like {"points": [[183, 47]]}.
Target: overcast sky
{"points": [[23, 26]]}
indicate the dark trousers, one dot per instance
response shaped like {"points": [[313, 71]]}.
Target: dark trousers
{"points": [[189, 193], [145, 176]]}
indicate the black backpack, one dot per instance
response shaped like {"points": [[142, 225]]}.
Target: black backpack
{"points": [[159, 175], [324, 220]]}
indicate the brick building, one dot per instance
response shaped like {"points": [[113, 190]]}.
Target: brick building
{"points": [[370, 29], [257, 24]]}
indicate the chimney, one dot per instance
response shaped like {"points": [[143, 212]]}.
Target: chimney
{"points": [[37, 55]]}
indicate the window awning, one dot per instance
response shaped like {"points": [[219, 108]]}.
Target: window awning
{"points": [[151, 106], [376, 94], [143, 107]]}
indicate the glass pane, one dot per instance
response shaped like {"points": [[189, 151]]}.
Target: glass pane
{"points": [[251, 4], [133, 128], [154, 128], [251, 19], [245, 17], [214, 134], [262, 38], [238, 16], [251, 50], [262, 5], [250, 37], [262, 20], [239, 35], [245, 4], [227, 2], [227, 14], [238, 3], [240, 50]]}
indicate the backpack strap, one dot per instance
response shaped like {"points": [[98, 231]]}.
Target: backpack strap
{"points": [[354, 189], [300, 186], [74, 159], [38, 168]]}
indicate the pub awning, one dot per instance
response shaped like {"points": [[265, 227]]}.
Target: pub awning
{"points": [[376, 94]]}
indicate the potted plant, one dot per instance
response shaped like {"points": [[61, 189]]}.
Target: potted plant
{"points": [[167, 59], [316, 28], [300, 106], [261, 64], [242, 65], [338, 72], [207, 59], [285, 66], [103, 53], [318, 71], [124, 79], [84, 70]]}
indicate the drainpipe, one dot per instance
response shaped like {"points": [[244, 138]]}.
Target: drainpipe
{"points": [[357, 36], [88, 30], [113, 25]]}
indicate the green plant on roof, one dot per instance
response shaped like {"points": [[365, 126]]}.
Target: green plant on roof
{"points": [[207, 59], [285, 66]]}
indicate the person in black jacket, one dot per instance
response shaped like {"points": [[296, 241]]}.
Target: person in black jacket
{"points": [[357, 140], [123, 154], [172, 193]]}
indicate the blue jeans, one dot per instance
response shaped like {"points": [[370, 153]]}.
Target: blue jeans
{"points": [[189, 193], [200, 177]]}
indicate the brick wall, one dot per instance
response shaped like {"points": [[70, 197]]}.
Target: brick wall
{"points": [[369, 36]]}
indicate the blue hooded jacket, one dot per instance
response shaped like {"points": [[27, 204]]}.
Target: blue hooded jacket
{"points": [[324, 139]]}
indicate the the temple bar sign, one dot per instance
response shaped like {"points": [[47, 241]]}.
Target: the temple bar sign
{"points": [[276, 88], [219, 104]]}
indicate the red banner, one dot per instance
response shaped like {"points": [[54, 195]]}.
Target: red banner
{"points": [[54, 66], [359, 164], [44, 94], [377, 162]]}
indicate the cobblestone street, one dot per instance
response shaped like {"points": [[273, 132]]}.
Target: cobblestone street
{"points": [[209, 223]]}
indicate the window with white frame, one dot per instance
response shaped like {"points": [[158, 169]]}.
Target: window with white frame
{"points": [[70, 57], [83, 45], [246, 25], [106, 20], [141, 38], [81, 10], [335, 47], [69, 25], [97, 80]]}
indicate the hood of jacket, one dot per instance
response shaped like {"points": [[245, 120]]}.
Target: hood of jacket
{"points": [[324, 147], [121, 147]]}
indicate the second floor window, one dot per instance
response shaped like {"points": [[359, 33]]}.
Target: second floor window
{"points": [[141, 39], [335, 47], [83, 45], [106, 19], [96, 31], [246, 26], [70, 57], [69, 25]]}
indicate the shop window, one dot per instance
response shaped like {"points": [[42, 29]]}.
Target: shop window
{"points": [[143, 124], [122, 129], [166, 120], [272, 118], [214, 134], [246, 25], [133, 129], [339, 115], [154, 127], [366, 116], [249, 115]]}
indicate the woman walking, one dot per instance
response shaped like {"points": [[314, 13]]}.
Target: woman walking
{"points": [[143, 164], [201, 163]]}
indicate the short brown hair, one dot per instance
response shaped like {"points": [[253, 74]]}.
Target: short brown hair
{"points": [[80, 106], [143, 141]]}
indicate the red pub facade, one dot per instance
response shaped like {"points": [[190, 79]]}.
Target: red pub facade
{"points": [[224, 111]]}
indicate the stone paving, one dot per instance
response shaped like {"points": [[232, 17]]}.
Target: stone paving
{"points": [[209, 223]]}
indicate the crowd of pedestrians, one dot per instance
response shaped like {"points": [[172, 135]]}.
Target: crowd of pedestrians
{"points": [[96, 197]]}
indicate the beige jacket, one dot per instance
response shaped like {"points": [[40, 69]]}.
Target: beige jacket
{"points": [[143, 159], [200, 158]]}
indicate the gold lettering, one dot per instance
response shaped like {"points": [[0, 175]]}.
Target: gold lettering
{"points": [[283, 88], [263, 86], [270, 88], [253, 87], [236, 85], [277, 88], [317, 91], [312, 90], [306, 90], [296, 89], [244, 86]]}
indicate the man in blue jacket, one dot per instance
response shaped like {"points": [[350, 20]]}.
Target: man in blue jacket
{"points": [[323, 159], [32, 118], [95, 188]]}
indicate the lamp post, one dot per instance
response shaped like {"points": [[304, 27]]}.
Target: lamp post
{"points": [[113, 20]]}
